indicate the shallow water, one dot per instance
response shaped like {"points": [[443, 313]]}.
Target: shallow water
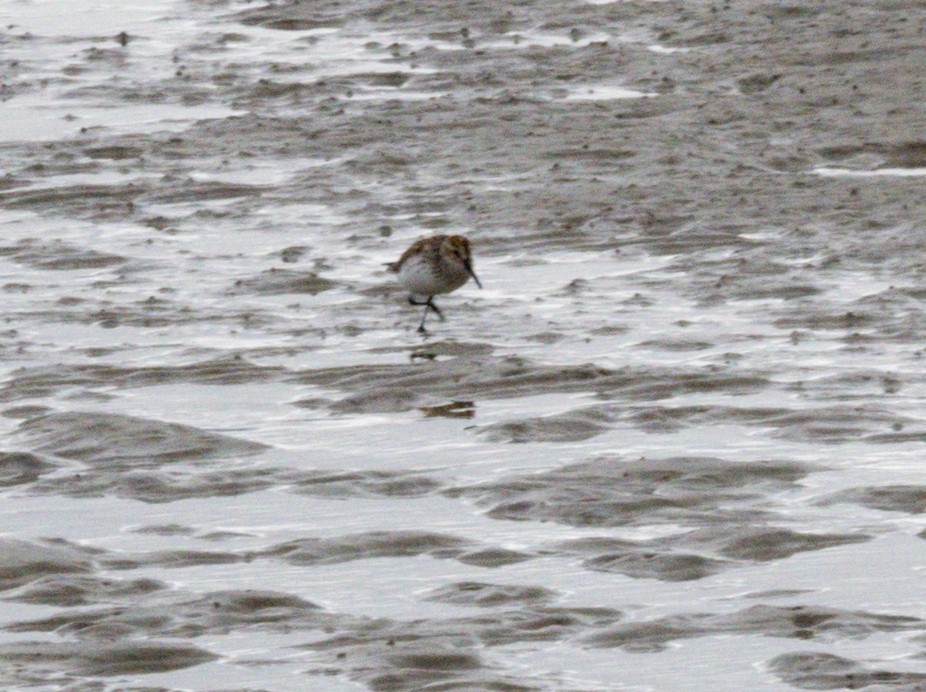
{"points": [[675, 443]]}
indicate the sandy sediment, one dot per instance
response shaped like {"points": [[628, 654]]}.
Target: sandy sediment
{"points": [[697, 363]]}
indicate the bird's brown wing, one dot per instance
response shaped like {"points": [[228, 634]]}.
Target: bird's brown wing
{"points": [[413, 249]]}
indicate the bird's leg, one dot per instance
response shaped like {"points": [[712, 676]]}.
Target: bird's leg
{"points": [[428, 305], [431, 305]]}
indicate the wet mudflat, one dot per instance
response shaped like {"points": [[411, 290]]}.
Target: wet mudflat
{"points": [[675, 443]]}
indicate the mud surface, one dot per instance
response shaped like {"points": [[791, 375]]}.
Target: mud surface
{"points": [[675, 443]]}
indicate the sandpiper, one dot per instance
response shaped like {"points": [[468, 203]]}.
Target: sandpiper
{"points": [[439, 264]]}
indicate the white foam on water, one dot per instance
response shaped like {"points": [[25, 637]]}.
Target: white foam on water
{"points": [[834, 172], [666, 50], [34, 118], [604, 93]]}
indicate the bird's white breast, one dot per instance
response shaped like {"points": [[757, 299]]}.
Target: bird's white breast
{"points": [[424, 278]]}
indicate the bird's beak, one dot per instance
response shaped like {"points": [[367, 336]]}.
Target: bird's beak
{"points": [[469, 268]]}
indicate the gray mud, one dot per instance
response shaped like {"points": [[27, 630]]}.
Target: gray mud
{"points": [[675, 443]]}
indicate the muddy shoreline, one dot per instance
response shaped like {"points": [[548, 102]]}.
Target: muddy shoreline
{"points": [[674, 444]]}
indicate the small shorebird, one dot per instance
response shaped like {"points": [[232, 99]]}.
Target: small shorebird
{"points": [[439, 264]]}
